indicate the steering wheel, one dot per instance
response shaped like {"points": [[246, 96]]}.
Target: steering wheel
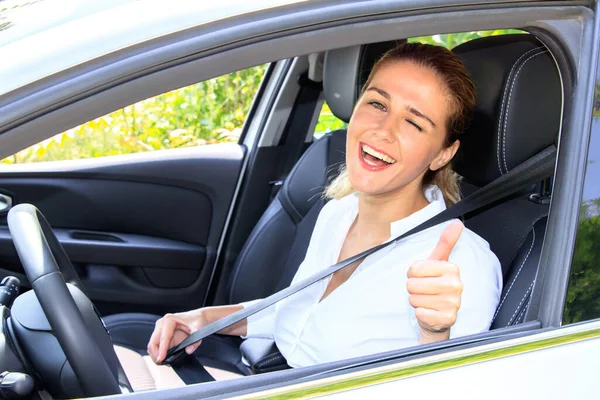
{"points": [[74, 321]]}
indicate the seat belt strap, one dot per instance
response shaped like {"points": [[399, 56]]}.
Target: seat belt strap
{"points": [[297, 128], [531, 171]]}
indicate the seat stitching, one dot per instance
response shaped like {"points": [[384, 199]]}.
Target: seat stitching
{"points": [[521, 315], [273, 354], [520, 303], [265, 360], [508, 105], [516, 276], [503, 104], [517, 248]]}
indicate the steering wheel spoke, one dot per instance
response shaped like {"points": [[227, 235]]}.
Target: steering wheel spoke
{"points": [[72, 317]]}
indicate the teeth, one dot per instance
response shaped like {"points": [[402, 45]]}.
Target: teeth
{"points": [[376, 154]]}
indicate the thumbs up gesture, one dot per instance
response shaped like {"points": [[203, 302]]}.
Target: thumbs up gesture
{"points": [[435, 288]]}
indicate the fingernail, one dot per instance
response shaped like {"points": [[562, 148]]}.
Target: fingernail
{"points": [[189, 350]]}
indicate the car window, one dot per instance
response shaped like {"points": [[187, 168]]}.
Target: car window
{"points": [[583, 294], [209, 112], [451, 40], [327, 122]]}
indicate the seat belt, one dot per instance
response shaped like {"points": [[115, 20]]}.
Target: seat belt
{"points": [[297, 128], [531, 171]]}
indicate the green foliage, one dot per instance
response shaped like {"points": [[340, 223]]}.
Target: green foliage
{"points": [[451, 40], [583, 295], [209, 112], [327, 122]]}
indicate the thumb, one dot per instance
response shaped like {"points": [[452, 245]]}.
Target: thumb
{"points": [[192, 347], [447, 241]]}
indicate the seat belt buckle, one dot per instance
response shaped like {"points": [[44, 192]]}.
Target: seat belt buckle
{"points": [[174, 357]]}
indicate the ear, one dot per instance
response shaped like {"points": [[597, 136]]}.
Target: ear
{"points": [[444, 156]]}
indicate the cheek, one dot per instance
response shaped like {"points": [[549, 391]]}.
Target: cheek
{"points": [[364, 119], [418, 149], [357, 125], [355, 128]]}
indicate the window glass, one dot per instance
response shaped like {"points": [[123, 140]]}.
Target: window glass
{"points": [[208, 112], [327, 122], [583, 294], [451, 40]]}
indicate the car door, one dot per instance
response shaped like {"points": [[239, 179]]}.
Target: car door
{"points": [[582, 303], [139, 198]]}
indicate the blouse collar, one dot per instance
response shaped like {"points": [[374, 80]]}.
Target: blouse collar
{"points": [[436, 205]]}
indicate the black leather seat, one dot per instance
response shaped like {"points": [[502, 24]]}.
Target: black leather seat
{"points": [[518, 115]]}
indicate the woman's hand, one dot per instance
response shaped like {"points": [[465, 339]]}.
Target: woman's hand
{"points": [[435, 288], [171, 330]]}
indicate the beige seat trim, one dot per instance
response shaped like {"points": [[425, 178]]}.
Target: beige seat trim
{"points": [[144, 374]]}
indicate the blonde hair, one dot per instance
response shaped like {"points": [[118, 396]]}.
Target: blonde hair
{"points": [[340, 186], [462, 98]]}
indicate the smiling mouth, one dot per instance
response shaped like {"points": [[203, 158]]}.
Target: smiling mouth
{"points": [[374, 158]]}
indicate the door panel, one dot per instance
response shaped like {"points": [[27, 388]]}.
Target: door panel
{"points": [[142, 230], [110, 205]]}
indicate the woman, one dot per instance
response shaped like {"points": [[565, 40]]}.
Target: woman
{"points": [[440, 283]]}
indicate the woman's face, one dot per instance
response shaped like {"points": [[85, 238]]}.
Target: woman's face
{"points": [[398, 129]]}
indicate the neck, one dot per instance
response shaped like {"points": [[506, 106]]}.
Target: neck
{"points": [[377, 212]]}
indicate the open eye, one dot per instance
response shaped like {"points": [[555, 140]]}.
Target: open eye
{"points": [[377, 105], [415, 125]]}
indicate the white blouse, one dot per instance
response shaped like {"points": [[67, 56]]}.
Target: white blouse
{"points": [[370, 312]]}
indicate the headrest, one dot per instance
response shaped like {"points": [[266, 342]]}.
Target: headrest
{"points": [[519, 104], [519, 99], [346, 70]]}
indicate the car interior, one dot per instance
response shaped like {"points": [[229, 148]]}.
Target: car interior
{"points": [[512, 73], [518, 115]]}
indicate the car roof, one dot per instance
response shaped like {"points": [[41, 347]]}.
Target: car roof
{"points": [[43, 37]]}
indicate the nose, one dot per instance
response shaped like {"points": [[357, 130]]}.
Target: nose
{"points": [[386, 129]]}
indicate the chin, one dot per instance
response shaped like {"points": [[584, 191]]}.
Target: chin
{"points": [[363, 184], [375, 185]]}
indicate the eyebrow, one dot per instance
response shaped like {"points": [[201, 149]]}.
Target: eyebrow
{"points": [[412, 110], [380, 91], [418, 113]]}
